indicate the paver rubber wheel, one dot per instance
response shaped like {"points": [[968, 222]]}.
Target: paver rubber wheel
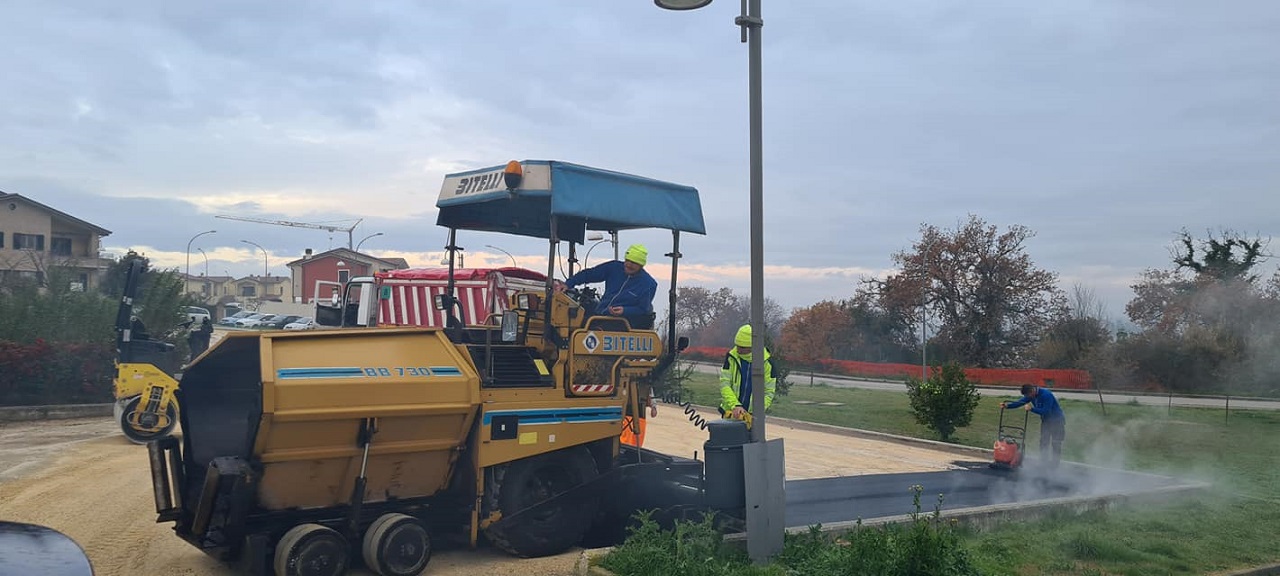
{"points": [[396, 545], [531, 480], [142, 436], [312, 550]]}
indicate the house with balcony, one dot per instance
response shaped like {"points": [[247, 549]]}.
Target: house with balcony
{"points": [[262, 288], [337, 265], [35, 237], [209, 288]]}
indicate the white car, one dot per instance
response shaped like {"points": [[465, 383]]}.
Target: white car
{"points": [[231, 320], [301, 324], [197, 315], [253, 320]]}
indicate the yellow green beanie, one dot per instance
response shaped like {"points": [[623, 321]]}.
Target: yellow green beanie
{"points": [[744, 336], [638, 254]]}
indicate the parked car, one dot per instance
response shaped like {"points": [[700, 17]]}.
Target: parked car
{"points": [[278, 322], [231, 320], [304, 323], [253, 320], [197, 315]]}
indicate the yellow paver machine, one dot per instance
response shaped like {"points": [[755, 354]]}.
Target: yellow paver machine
{"points": [[309, 452]]}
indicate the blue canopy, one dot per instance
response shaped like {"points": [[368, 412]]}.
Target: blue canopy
{"points": [[578, 198]]}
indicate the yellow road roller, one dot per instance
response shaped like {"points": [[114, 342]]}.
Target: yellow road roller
{"points": [[313, 451], [145, 406]]}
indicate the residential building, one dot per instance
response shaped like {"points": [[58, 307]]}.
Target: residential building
{"points": [[35, 237], [272, 288], [210, 288], [337, 265]]}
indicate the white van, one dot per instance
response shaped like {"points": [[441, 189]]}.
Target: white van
{"points": [[198, 315]]}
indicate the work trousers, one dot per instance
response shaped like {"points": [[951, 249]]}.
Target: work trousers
{"points": [[1052, 432]]}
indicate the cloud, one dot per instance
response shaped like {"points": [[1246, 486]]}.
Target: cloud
{"points": [[1105, 127]]}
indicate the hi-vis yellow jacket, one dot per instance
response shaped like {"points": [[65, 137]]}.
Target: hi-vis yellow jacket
{"points": [[735, 371]]}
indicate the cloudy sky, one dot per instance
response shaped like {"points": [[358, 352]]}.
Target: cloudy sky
{"points": [[1106, 127]]}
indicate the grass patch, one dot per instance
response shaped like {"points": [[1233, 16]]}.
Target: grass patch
{"points": [[1241, 455], [1190, 537], [925, 546], [1231, 529]]}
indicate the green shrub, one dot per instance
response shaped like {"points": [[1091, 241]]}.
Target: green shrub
{"points": [[925, 546], [690, 549], [57, 345], [55, 373], [945, 401]]}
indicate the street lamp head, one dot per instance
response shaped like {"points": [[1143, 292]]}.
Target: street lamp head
{"points": [[361, 243], [681, 4]]}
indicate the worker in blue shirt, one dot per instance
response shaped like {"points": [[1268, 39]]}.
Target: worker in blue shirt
{"points": [[1053, 423], [628, 288]]}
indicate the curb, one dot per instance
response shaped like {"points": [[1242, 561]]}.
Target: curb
{"points": [[1267, 570], [53, 412], [584, 568], [985, 517]]}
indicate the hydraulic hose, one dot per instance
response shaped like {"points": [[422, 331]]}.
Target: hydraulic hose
{"points": [[674, 397]]}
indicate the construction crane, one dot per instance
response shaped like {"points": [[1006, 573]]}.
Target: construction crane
{"points": [[349, 230]]}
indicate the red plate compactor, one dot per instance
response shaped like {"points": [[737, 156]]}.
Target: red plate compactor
{"points": [[1011, 443]]}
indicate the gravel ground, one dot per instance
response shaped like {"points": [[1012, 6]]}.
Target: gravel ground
{"points": [[82, 477]]}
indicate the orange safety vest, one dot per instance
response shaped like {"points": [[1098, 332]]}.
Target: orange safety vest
{"points": [[629, 437]]}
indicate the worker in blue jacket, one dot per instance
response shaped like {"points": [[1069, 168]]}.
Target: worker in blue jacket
{"points": [[628, 288], [1053, 423]]}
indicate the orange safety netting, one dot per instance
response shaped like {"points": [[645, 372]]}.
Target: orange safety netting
{"points": [[1013, 377]]}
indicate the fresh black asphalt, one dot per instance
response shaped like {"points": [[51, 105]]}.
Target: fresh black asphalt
{"points": [[843, 499]]}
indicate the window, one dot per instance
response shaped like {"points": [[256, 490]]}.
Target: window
{"points": [[28, 241], [248, 290], [343, 276], [1, 239], [60, 246]]}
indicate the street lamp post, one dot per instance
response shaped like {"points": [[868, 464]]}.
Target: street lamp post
{"points": [[264, 257], [763, 459], [188, 271], [513, 258], [593, 247], [206, 261], [924, 315], [204, 281], [361, 243]]}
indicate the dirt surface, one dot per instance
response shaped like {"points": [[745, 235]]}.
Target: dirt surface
{"points": [[808, 454], [83, 478]]}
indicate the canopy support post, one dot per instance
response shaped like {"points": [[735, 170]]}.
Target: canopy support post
{"points": [[551, 279], [671, 303]]}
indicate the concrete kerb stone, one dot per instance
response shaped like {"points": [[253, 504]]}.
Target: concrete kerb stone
{"points": [[53, 412], [985, 517], [868, 434], [584, 565], [1267, 570]]}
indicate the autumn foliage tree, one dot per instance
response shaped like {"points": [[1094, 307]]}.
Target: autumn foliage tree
{"points": [[852, 329], [1207, 321], [815, 332], [990, 302]]}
